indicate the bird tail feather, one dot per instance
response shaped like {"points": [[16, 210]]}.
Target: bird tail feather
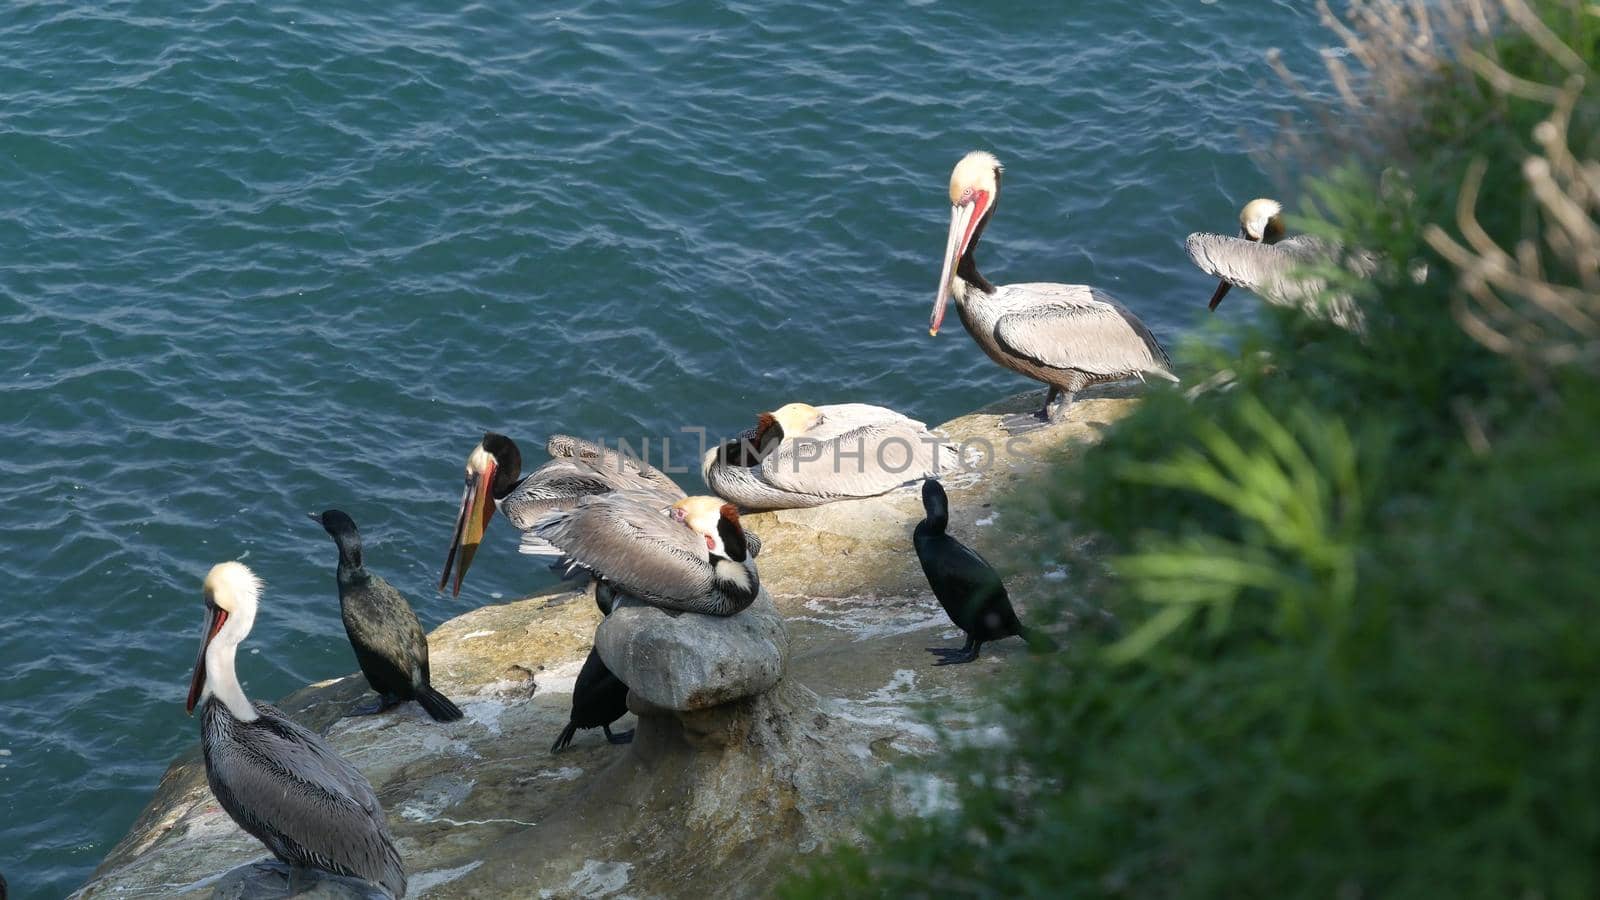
{"points": [[534, 545], [565, 738], [438, 705]]}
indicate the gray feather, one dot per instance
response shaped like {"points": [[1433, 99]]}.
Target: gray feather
{"points": [[1279, 273], [1074, 326], [642, 552], [853, 450], [286, 786], [580, 469]]}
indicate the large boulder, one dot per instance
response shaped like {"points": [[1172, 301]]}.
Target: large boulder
{"points": [[687, 661]]}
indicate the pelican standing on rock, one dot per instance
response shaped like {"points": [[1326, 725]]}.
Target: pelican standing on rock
{"points": [[577, 468], [692, 555], [1068, 336], [277, 779], [801, 455], [968, 588], [1263, 260], [383, 630]]}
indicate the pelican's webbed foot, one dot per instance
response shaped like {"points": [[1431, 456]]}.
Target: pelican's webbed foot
{"points": [[1021, 424], [1054, 410]]}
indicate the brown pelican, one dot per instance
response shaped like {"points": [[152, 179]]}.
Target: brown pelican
{"points": [[278, 779], [1262, 259], [692, 555], [383, 630], [1068, 336], [800, 455], [577, 468]]}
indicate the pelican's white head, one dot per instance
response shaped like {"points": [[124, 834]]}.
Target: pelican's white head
{"points": [[1262, 220], [794, 418], [716, 521], [235, 590], [232, 593], [974, 187], [977, 171]]}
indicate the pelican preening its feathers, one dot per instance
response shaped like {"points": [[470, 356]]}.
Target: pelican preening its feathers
{"points": [[801, 455], [277, 779], [1264, 260], [577, 469], [1068, 336]]}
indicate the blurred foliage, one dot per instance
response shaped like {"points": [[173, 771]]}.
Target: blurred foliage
{"points": [[1346, 645]]}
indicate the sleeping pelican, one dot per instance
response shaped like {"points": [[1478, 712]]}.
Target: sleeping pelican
{"points": [[692, 555], [577, 468], [1068, 336], [800, 455], [1263, 260], [279, 780]]}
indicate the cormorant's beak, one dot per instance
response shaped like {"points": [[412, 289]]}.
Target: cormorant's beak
{"points": [[1222, 291], [477, 508], [216, 617], [964, 217]]}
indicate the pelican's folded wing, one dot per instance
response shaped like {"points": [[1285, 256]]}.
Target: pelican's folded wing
{"points": [[294, 789], [1074, 326], [632, 544]]}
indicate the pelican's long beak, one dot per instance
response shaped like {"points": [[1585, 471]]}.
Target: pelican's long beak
{"points": [[477, 508], [964, 218], [216, 617], [1222, 291], [954, 246]]}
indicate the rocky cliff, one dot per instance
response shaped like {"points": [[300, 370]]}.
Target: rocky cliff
{"points": [[710, 800]]}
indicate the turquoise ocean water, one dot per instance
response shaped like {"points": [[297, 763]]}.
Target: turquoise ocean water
{"points": [[263, 259]]}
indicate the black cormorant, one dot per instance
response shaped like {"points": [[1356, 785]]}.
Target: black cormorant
{"points": [[598, 699], [968, 588], [384, 632]]}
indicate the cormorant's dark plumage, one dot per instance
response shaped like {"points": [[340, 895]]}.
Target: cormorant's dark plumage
{"points": [[968, 588], [598, 699], [384, 632]]}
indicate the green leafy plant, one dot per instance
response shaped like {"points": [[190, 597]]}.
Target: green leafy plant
{"points": [[1298, 499]]}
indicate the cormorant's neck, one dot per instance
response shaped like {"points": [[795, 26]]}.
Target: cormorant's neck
{"points": [[938, 519], [350, 572], [349, 557]]}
